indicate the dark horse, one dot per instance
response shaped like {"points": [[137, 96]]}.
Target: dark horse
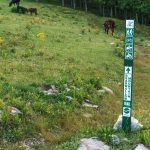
{"points": [[15, 2], [109, 24], [33, 10], [22, 10]]}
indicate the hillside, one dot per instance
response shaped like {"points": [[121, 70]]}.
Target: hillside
{"points": [[68, 49]]}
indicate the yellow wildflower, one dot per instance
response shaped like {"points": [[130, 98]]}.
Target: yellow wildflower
{"points": [[41, 35], [1, 40]]}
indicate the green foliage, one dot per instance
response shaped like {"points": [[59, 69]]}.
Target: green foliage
{"points": [[119, 51], [9, 126], [104, 134], [144, 136], [14, 9]]}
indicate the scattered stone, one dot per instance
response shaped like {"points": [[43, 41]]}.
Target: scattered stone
{"points": [[125, 140], [147, 56], [108, 90], [114, 139], [141, 147], [48, 89], [100, 92], [85, 104], [87, 100], [28, 143], [74, 87], [135, 125], [69, 97], [92, 144], [14, 110]]}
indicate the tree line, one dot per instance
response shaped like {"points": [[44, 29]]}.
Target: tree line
{"points": [[121, 9]]}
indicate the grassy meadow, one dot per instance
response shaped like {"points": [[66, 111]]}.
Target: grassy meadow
{"points": [[63, 46]]}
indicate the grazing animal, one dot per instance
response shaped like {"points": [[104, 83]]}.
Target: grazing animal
{"points": [[21, 9], [33, 10], [15, 2], [109, 24]]}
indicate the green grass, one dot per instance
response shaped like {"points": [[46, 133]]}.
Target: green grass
{"points": [[74, 49]]}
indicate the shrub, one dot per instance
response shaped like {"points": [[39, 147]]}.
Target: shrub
{"points": [[144, 137], [10, 126], [119, 52], [14, 10]]}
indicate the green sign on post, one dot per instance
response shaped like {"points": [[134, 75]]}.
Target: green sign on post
{"points": [[128, 76]]}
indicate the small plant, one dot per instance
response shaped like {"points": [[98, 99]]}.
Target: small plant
{"points": [[96, 82], [119, 52], [39, 107], [2, 104], [9, 125], [144, 137], [41, 35], [104, 134], [1, 40]]}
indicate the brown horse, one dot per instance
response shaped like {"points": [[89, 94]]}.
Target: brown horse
{"points": [[33, 10], [109, 24]]}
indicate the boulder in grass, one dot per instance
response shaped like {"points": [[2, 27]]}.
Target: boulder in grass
{"points": [[108, 90], [114, 139], [101, 92], [85, 104], [48, 89], [14, 110], [92, 144], [69, 98], [135, 125], [141, 147], [28, 143]]}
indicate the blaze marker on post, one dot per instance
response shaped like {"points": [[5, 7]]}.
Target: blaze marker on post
{"points": [[128, 76]]}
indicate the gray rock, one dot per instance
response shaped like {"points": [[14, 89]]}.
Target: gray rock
{"points": [[101, 92], [114, 139], [125, 140], [28, 143], [69, 97], [85, 104], [14, 110], [48, 89], [135, 125], [141, 147], [51, 91], [108, 90], [147, 56], [92, 144]]}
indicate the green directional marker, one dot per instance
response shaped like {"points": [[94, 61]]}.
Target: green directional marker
{"points": [[128, 76], [128, 70]]}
